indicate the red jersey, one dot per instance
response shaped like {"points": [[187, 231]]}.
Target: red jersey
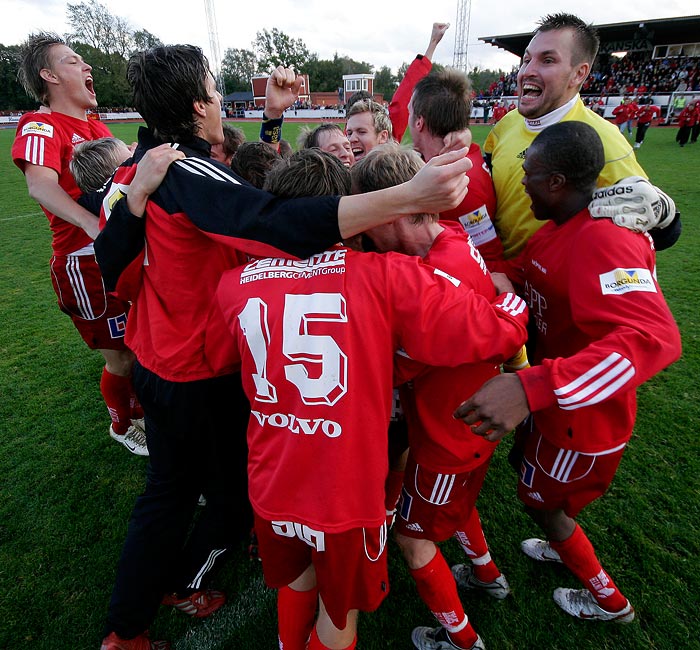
{"points": [[200, 222], [499, 113], [602, 329], [439, 442], [476, 212], [315, 340], [623, 113], [398, 107], [47, 139], [688, 116], [647, 113]]}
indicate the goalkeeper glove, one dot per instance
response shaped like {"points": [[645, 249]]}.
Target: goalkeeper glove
{"points": [[633, 203]]}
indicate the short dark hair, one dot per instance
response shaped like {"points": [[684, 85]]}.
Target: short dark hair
{"points": [[358, 96], [586, 36], [233, 138], [253, 161], [312, 137], [34, 57], [308, 172], [573, 149], [443, 100], [285, 149], [166, 81], [385, 166]]}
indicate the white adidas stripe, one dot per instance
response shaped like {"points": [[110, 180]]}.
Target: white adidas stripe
{"points": [[604, 379]]}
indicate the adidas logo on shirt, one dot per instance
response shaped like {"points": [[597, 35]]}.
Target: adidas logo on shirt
{"points": [[415, 527], [76, 139], [536, 496], [521, 155]]}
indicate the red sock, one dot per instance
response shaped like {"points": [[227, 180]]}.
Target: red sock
{"points": [[296, 611], [578, 554], [116, 392], [315, 643], [438, 590], [392, 489], [474, 544]]}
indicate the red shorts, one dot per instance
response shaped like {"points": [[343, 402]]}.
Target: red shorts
{"points": [[432, 505], [552, 478], [351, 567], [100, 317]]}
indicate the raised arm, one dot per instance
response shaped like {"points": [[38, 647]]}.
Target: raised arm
{"points": [[439, 186]]}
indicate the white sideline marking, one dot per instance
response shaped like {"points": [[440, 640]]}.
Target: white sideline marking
{"points": [[22, 216]]}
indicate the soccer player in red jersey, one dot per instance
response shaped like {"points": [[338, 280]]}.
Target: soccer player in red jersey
{"points": [[645, 114], [602, 328], [319, 381], [367, 125], [56, 76], [687, 120], [200, 221], [441, 104], [446, 465]]}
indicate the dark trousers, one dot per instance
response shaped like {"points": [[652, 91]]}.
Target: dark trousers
{"points": [[683, 135], [641, 132], [197, 445], [695, 132]]}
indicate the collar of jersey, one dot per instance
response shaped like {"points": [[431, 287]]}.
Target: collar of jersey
{"points": [[541, 123]]}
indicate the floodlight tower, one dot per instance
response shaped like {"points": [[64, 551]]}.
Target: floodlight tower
{"points": [[215, 61], [464, 15]]}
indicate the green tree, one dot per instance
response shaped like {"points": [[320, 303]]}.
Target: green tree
{"points": [[144, 40], [327, 75], [481, 79], [108, 74], [12, 95], [93, 24], [237, 68], [385, 82], [277, 48]]}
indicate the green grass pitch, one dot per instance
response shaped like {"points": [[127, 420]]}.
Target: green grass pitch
{"points": [[66, 489]]}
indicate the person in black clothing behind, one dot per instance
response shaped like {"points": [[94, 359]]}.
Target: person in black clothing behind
{"points": [[200, 221]]}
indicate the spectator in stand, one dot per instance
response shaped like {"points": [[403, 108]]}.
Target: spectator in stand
{"points": [[224, 151], [645, 115], [686, 121], [367, 125], [499, 112], [253, 161]]}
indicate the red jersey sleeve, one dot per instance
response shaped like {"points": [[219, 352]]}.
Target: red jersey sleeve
{"points": [[617, 303], [398, 107]]}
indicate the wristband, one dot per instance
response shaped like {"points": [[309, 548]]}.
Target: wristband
{"points": [[271, 129]]}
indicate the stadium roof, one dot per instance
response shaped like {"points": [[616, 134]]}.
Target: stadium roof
{"points": [[660, 31]]}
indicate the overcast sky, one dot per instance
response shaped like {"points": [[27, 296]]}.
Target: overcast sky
{"points": [[386, 32]]}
